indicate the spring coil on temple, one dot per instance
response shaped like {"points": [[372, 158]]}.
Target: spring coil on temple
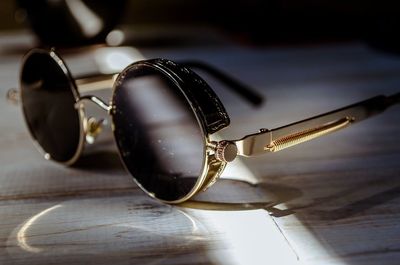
{"points": [[306, 135]]}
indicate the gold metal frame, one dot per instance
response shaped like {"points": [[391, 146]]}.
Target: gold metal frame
{"points": [[218, 154]]}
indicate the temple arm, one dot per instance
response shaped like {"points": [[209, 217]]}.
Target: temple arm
{"points": [[87, 83], [93, 82], [308, 129], [235, 85]]}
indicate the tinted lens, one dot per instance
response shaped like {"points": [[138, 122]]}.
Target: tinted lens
{"points": [[48, 106], [158, 135]]}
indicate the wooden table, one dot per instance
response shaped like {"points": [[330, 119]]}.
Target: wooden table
{"points": [[335, 200]]}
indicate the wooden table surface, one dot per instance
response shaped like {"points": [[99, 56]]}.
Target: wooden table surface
{"points": [[335, 200]]}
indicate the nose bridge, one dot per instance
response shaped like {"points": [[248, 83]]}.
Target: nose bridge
{"points": [[95, 82], [93, 99], [92, 126]]}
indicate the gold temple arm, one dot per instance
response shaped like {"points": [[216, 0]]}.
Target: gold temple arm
{"points": [[84, 84], [308, 129]]}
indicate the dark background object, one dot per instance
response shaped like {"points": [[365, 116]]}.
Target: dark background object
{"points": [[70, 23], [261, 22], [279, 21]]}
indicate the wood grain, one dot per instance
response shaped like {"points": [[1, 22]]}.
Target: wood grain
{"points": [[335, 200]]}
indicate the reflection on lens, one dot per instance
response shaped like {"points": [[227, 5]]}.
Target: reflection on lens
{"points": [[158, 135], [48, 106]]}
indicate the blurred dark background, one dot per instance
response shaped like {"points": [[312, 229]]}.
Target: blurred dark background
{"points": [[259, 22]]}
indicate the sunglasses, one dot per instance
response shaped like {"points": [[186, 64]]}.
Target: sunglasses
{"points": [[163, 119]]}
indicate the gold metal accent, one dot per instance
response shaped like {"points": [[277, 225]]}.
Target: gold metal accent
{"points": [[214, 171], [212, 146], [307, 135], [226, 151]]}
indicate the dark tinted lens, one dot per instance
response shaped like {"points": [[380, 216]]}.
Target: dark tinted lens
{"points": [[158, 135], [48, 105]]}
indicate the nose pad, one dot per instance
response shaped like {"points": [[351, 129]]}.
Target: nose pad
{"points": [[93, 128]]}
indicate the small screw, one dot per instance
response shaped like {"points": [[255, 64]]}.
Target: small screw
{"points": [[226, 151]]}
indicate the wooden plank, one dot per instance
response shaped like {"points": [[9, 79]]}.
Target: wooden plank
{"points": [[332, 201]]}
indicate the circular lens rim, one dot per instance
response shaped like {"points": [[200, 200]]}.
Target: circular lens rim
{"points": [[152, 65], [81, 111]]}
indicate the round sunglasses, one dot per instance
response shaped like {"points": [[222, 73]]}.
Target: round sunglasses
{"points": [[163, 116]]}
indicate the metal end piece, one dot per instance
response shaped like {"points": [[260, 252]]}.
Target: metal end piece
{"points": [[226, 151], [13, 96]]}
